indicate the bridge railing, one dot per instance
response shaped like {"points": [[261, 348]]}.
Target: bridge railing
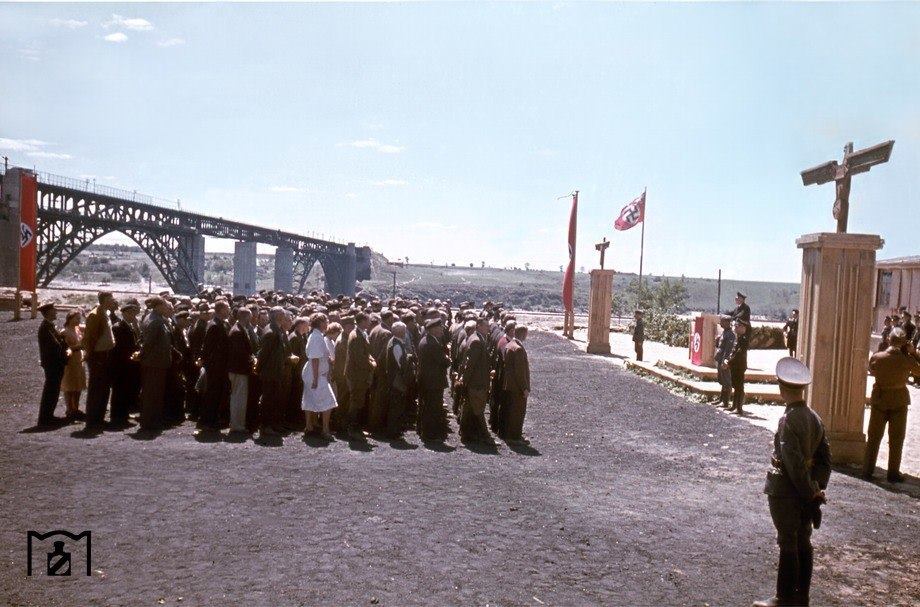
{"points": [[90, 185]]}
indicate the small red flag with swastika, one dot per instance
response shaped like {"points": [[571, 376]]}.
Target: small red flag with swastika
{"points": [[632, 214]]}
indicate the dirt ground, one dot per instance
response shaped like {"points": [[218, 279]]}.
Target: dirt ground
{"points": [[629, 495]]}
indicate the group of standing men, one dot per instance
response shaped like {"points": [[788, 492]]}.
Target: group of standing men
{"points": [[238, 362], [731, 354]]}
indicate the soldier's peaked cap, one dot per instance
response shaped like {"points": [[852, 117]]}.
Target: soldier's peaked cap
{"points": [[792, 372], [741, 295]]}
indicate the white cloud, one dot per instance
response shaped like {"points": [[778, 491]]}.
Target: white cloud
{"points": [[171, 42], [70, 24], [117, 37], [389, 183], [21, 145], [30, 54], [49, 155], [286, 189], [373, 144], [134, 23]]}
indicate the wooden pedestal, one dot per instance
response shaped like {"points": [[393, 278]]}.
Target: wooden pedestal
{"points": [[599, 311], [838, 286]]}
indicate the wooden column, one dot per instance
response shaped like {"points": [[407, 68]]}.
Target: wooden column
{"points": [[599, 311], [838, 289]]}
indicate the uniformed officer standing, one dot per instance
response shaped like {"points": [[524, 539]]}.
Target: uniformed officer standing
{"points": [[742, 311], [890, 400], [801, 468], [638, 336]]}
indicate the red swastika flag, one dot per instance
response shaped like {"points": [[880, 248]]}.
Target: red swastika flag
{"points": [[632, 214]]}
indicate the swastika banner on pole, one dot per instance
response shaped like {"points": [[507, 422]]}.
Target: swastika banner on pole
{"points": [[632, 214]]}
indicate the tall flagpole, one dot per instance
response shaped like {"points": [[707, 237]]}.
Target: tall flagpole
{"points": [[642, 245]]}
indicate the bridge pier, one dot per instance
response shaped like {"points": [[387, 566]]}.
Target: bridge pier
{"points": [[244, 268], [10, 234], [284, 268], [351, 270], [191, 264]]}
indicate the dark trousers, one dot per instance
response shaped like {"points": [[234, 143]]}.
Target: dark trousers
{"points": [[638, 345], [339, 415], [253, 412], [792, 520], [396, 411], [472, 417], [51, 392], [738, 387], [217, 389], [514, 411], [357, 405], [275, 394], [192, 398], [379, 405], [431, 418], [99, 388], [153, 390], [173, 410], [126, 387], [896, 420], [497, 405]]}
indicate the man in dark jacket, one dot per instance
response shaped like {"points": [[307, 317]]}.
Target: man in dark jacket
{"points": [[52, 351], [378, 338], [274, 366], [195, 342], [800, 471], [433, 363], [177, 382], [126, 372], [736, 363], [214, 355], [240, 367], [359, 373], [399, 374], [517, 385], [155, 359], [475, 378]]}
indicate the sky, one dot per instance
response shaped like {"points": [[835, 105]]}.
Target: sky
{"points": [[449, 132]]}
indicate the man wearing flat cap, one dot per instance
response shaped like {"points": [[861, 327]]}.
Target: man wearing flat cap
{"points": [[890, 399], [52, 352], [155, 358], [433, 363], [801, 469]]}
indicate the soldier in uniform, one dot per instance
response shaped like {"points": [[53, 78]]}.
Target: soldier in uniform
{"points": [[742, 311], [801, 468], [736, 363], [890, 400], [724, 345], [638, 336], [791, 331]]}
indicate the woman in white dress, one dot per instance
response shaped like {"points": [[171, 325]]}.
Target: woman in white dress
{"points": [[317, 393]]}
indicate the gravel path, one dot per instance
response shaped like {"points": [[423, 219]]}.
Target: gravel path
{"points": [[629, 495]]}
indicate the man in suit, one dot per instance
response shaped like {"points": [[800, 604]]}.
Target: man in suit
{"points": [[126, 372], [890, 400], [195, 342], [517, 385], [240, 367], [359, 373], [52, 352], [155, 360], [378, 338], [340, 413], [475, 378], [98, 342], [177, 383], [214, 357], [274, 366], [433, 363], [499, 399], [798, 476]]}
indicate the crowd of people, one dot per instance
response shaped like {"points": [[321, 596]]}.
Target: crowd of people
{"points": [[276, 363]]}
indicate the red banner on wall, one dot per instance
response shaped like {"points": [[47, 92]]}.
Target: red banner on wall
{"points": [[28, 209]]}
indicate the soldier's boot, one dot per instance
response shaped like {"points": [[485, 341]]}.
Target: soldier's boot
{"points": [[725, 397], [806, 564], [737, 402], [787, 575]]}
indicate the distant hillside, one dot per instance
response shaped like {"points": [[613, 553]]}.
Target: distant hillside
{"points": [[538, 290], [542, 289]]}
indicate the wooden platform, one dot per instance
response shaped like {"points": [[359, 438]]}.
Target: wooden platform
{"points": [[711, 374], [766, 393]]}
